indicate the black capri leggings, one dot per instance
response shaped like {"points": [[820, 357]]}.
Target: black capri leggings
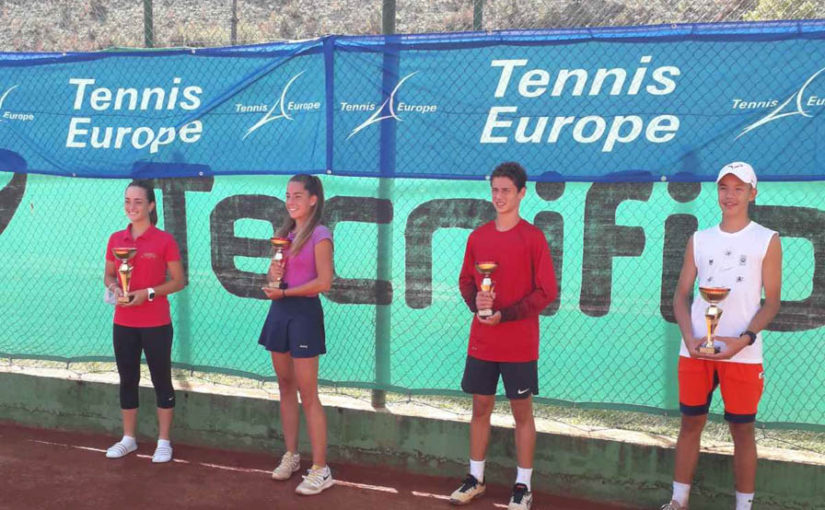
{"points": [[156, 342]]}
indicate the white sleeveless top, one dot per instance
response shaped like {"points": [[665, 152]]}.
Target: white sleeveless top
{"points": [[731, 260]]}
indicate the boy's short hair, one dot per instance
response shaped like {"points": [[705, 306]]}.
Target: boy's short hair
{"points": [[513, 171]]}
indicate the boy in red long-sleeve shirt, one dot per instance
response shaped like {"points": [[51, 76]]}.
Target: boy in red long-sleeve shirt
{"points": [[506, 342]]}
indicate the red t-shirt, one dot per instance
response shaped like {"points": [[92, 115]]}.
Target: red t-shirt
{"points": [[155, 248], [525, 283]]}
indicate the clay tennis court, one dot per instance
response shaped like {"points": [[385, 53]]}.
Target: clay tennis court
{"points": [[61, 470]]}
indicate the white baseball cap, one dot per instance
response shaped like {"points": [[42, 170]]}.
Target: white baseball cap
{"points": [[741, 170]]}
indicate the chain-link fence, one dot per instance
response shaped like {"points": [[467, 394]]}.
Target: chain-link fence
{"points": [[395, 319], [78, 25], [608, 341]]}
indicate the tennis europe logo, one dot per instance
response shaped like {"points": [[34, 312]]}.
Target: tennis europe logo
{"points": [[801, 103], [389, 109], [11, 115], [282, 108]]}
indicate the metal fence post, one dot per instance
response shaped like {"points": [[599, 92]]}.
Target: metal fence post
{"points": [[383, 317], [233, 24], [478, 14], [148, 28]]}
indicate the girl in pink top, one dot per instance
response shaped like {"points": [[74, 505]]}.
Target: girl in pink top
{"points": [[294, 328]]}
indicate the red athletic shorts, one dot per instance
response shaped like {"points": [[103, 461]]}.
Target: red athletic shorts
{"points": [[741, 384]]}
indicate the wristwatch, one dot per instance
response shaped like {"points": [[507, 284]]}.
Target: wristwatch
{"points": [[751, 334], [150, 295]]}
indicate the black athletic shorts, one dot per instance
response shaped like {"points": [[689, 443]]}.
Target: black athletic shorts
{"points": [[521, 379]]}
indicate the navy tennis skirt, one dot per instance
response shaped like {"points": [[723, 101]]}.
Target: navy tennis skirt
{"points": [[295, 325]]}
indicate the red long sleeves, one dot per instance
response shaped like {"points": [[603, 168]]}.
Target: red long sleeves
{"points": [[525, 283]]}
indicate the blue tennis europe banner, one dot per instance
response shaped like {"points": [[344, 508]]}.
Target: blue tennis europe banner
{"points": [[633, 104]]}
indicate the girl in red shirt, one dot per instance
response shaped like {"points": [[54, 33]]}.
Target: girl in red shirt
{"points": [[143, 323]]}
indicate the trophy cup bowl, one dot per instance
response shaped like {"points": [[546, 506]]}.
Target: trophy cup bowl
{"points": [[124, 254], [714, 296], [486, 268], [279, 244]]}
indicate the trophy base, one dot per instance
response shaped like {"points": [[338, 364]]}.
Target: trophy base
{"points": [[485, 314], [716, 348], [275, 286], [125, 299]]}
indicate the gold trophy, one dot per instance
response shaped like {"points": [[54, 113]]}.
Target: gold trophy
{"points": [[279, 244], [486, 268], [124, 271], [714, 296]]}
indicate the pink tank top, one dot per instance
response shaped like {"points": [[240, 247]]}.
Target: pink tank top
{"points": [[300, 268]]}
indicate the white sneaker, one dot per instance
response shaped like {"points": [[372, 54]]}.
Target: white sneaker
{"points": [[673, 505], [290, 463], [522, 498], [315, 481], [470, 489], [163, 453], [120, 449]]}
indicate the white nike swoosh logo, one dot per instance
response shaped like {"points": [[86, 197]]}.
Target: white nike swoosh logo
{"points": [[522, 392]]}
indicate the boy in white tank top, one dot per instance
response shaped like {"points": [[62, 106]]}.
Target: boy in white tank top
{"points": [[746, 258]]}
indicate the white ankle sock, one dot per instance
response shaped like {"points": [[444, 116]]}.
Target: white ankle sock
{"points": [[681, 493], [128, 440], [744, 501], [523, 475], [477, 469], [164, 442]]}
